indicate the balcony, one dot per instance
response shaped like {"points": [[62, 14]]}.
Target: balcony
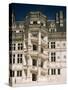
{"points": [[33, 68], [43, 71], [43, 56], [34, 53], [34, 26], [56, 64], [34, 39], [44, 43], [16, 66], [16, 38]]}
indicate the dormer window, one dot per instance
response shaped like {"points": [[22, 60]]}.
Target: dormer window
{"points": [[35, 22], [41, 24], [52, 30]]}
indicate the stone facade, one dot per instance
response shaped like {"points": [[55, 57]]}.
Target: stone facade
{"points": [[37, 50]]}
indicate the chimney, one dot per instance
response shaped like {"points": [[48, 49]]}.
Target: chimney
{"points": [[61, 18], [57, 18]]}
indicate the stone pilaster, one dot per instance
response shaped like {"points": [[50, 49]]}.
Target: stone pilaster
{"points": [[39, 42]]}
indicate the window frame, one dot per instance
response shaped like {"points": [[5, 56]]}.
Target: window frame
{"points": [[19, 58], [34, 62], [20, 46], [59, 72], [53, 45], [34, 47], [19, 73], [13, 46], [53, 56], [12, 73]]}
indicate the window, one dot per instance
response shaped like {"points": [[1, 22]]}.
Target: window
{"points": [[20, 31], [34, 77], [48, 44], [34, 47], [10, 46], [10, 58], [52, 44], [19, 58], [53, 57], [34, 22], [13, 58], [58, 71], [34, 62], [12, 73], [20, 46], [41, 63], [53, 71], [13, 46], [52, 30], [41, 50], [19, 73]]}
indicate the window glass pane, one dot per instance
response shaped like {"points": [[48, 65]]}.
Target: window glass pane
{"points": [[58, 71], [34, 47], [51, 71], [52, 44], [17, 73], [53, 56], [34, 62]]}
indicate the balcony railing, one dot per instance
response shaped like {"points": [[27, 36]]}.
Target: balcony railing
{"points": [[34, 26], [43, 42], [37, 26], [43, 56], [34, 53], [35, 39]]}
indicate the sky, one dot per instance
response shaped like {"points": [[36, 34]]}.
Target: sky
{"points": [[21, 10]]}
